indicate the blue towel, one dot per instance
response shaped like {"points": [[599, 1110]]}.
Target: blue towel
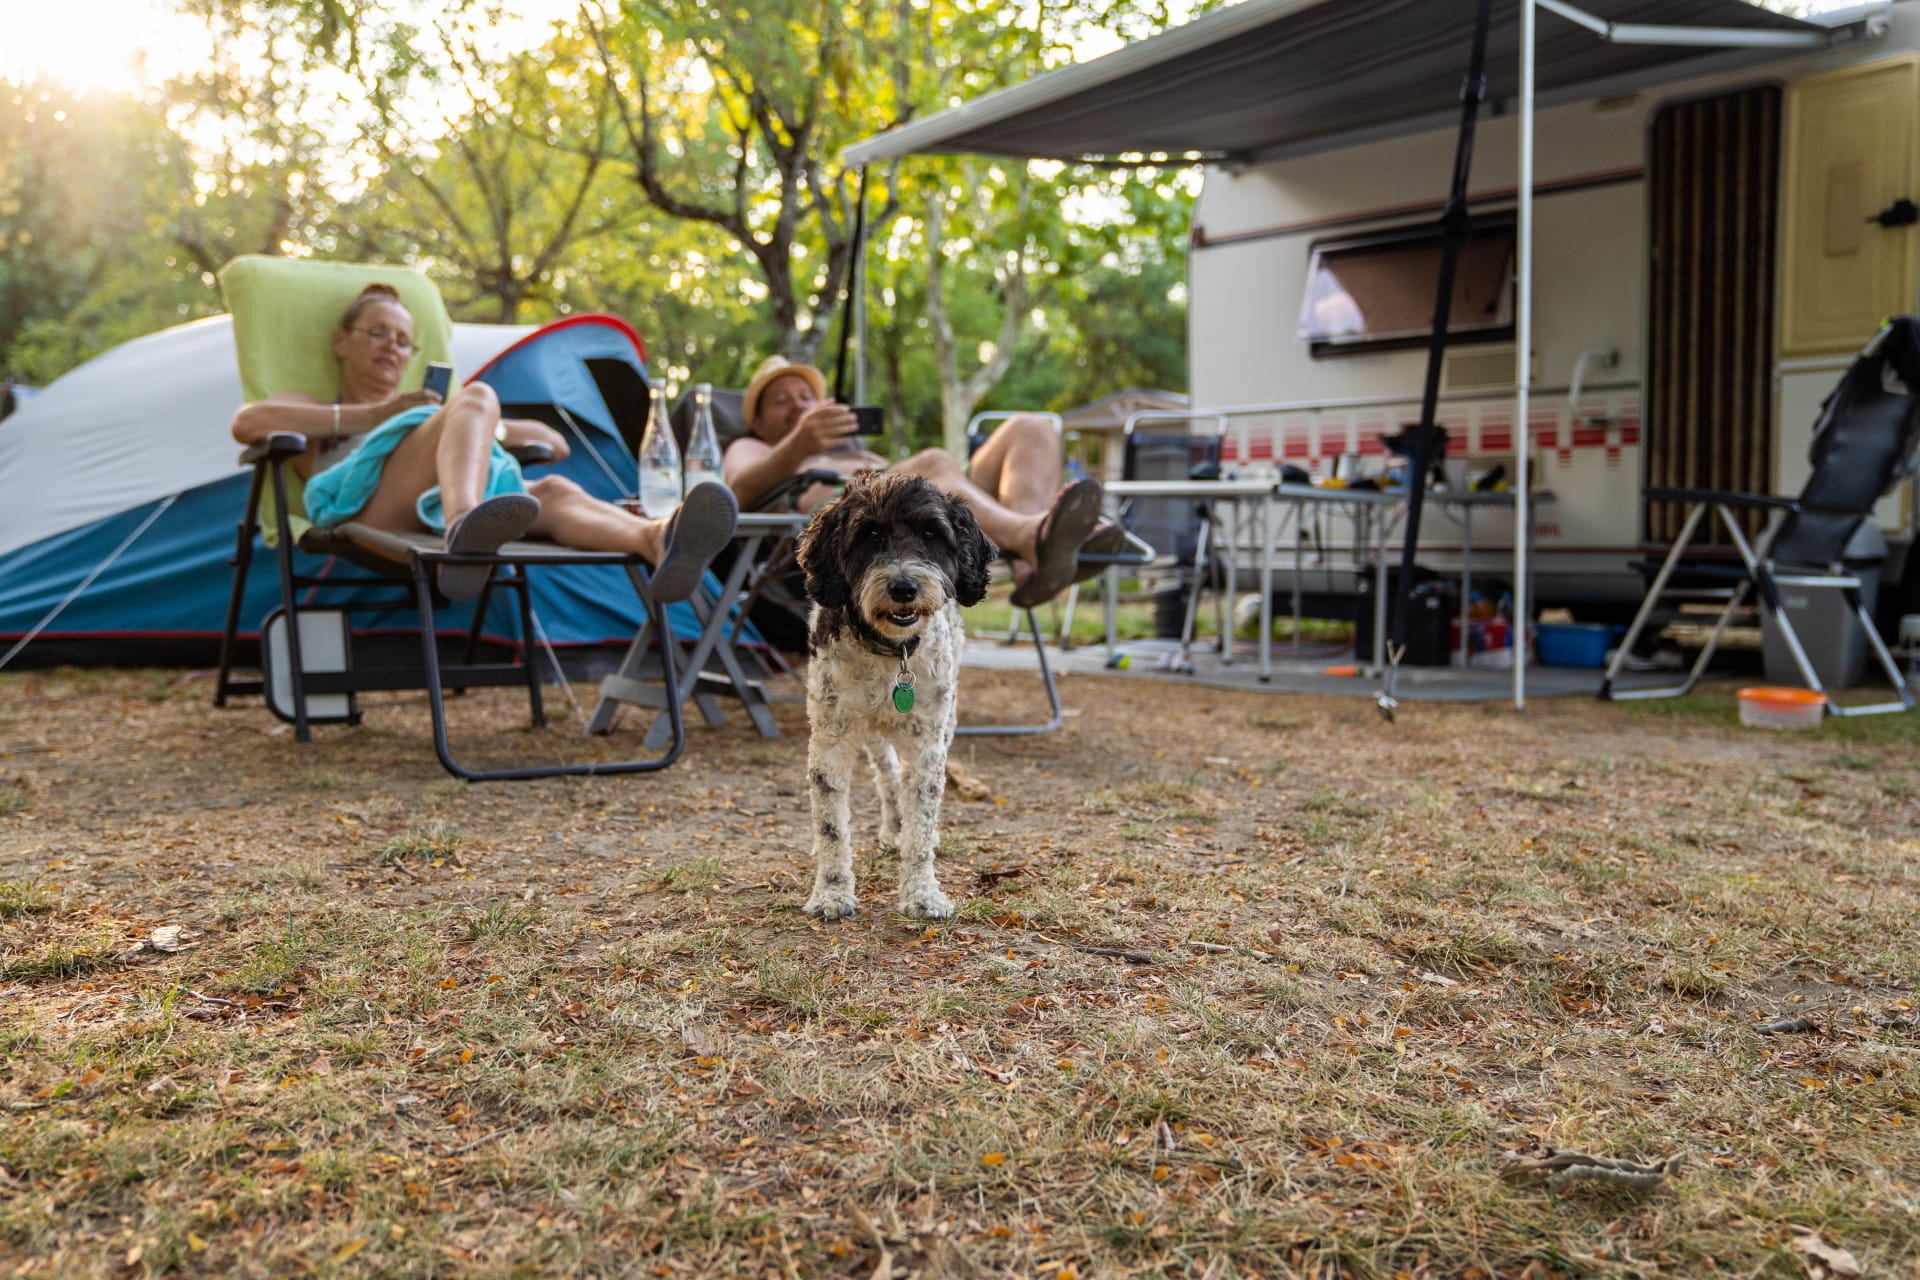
{"points": [[338, 493]]}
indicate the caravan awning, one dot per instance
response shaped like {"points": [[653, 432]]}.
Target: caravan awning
{"points": [[1268, 78]]}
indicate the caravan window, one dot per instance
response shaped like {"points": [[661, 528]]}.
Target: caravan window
{"points": [[1377, 290]]}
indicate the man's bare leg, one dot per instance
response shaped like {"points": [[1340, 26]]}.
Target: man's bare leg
{"points": [[1020, 464], [1013, 531]]}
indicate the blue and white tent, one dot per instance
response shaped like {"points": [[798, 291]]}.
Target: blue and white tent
{"points": [[120, 492]]}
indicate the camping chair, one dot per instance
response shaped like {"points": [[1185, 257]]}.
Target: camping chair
{"points": [[283, 312], [1863, 444], [1185, 530], [776, 603], [1138, 553]]}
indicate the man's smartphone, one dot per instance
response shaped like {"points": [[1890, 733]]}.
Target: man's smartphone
{"points": [[869, 420], [439, 379]]}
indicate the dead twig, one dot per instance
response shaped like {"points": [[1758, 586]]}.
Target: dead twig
{"points": [[207, 999], [483, 1141], [1558, 1168]]}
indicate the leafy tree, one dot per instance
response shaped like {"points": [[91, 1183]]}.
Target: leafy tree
{"points": [[88, 257], [491, 170], [734, 117]]}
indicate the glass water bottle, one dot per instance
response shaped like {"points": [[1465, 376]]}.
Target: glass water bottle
{"points": [[703, 442], [660, 482]]}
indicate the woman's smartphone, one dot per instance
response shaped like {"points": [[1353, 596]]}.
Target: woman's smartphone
{"points": [[869, 420], [439, 379]]}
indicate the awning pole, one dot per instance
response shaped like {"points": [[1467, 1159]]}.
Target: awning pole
{"points": [[1455, 222], [860, 299], [1523, 378], [853, 312]]}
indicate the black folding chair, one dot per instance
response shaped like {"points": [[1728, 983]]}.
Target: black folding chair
{"points": [[1188, 539], [1863, 444]]}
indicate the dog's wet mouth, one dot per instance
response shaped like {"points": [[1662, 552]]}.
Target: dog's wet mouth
{"points": [[905, 618]]}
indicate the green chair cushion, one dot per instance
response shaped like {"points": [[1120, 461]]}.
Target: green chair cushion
{"points": [[285, 311]]}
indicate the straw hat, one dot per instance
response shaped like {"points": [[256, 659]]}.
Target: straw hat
{"points": [[778, 367]]}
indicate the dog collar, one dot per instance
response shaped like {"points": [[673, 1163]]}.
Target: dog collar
{"points": [[901, 651], [902, 683], [874, 644]]}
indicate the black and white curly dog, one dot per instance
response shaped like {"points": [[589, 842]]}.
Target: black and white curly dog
{"points": [[888, 565]]}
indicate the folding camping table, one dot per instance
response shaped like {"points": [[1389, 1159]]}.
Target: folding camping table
{"points": [[1253, 502], [716, 611]]}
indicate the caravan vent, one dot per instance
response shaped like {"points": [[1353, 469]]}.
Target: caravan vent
{"points": [[1479, 369]]}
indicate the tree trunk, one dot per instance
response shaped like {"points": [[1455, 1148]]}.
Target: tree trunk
{"points": [[960, 393]]}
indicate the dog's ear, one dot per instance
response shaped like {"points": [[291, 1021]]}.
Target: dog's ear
{"points": [[977, 554], [819, 554]]}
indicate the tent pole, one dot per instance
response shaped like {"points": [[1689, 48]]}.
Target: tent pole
{"points": [[1523, 376]]}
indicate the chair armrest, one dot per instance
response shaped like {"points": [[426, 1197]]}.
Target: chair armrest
{"points": [[534, 451], [277, 447], [785, 496], [1724, 497]]}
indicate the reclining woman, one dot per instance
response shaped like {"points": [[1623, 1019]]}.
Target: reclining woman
{"points": [[404, 462]]}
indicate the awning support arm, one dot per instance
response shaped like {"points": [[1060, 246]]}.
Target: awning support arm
{"points": [[1695, 37]]}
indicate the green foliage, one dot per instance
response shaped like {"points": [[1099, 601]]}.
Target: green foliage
{"points": [[85, 256], [663, 160]]}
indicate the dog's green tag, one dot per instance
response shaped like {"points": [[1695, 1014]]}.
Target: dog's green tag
{"points": [[903, 697]]}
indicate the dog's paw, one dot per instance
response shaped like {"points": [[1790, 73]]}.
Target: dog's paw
{"points": [[926, 903], [831, 904]]}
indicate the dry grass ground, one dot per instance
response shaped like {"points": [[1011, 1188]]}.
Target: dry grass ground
{"points": [[1241, 986]]}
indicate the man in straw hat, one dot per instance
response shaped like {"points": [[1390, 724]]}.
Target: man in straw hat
{"points": [[1012, 484]]}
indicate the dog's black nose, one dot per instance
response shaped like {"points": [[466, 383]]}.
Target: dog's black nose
{"points": [[903, 590]]}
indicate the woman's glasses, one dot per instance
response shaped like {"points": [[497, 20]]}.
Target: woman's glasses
{"points": [[383, 337]]}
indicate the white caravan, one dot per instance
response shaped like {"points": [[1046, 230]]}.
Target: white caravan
{"points": [[1716, 230]]}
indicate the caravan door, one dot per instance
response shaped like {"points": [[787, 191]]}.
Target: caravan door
{"points": [[1849, 255], [1849, 244]]}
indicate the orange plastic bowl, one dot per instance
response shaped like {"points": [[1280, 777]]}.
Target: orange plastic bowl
{"points": [[1772, 707]]}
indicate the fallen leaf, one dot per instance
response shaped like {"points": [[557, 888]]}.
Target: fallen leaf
{"points": [[350, 1248], [994, 1159], [1824, 1259], [171, 937]]}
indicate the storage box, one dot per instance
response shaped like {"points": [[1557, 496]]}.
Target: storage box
{"points": [[1574, 644]]}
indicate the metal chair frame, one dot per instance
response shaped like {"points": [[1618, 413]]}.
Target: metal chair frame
{"points": [[1758, 574], [413, 563]]}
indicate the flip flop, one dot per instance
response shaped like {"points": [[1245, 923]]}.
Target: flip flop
{"points": [[481, 532], [1066, 527], [695, 533], [1108, 541]]}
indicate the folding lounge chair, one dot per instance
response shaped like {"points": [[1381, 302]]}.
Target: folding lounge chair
{"points": [[284, 312], [1863, 444]]}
